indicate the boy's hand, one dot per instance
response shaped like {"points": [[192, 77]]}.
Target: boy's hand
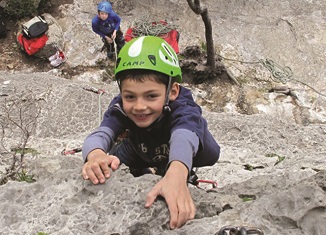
{"points": [[97, 167], [114, 35], [173, 187], [108, 39]]}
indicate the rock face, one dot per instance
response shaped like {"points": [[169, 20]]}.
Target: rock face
{"points": [[285, 196], [271, 174]]}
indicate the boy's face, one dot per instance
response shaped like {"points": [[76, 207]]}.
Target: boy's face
{"points": [[143, 101], [103, 15]]}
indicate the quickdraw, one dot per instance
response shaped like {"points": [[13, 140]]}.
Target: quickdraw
{"points": [[72, 151], [193, 179], [232, 230], [212, 182], [94, 90]]}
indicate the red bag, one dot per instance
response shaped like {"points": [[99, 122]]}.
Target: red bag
{"points": [[171, 37], [33, 45]]}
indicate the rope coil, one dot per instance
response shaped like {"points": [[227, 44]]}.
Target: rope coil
{"points": [[145, 27]]}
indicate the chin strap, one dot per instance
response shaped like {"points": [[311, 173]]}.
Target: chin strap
{"points": [[166, 107]]}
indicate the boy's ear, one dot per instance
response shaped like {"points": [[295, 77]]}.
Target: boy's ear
{"points": [[174, 92]]}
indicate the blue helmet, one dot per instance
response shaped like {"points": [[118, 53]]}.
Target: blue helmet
{"points": [[105, 7]]}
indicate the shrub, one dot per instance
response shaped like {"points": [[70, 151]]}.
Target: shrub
{"points": [[22, 8]]}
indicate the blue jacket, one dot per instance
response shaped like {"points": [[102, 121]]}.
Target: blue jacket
{"points": [[180, 135], [106, 27]]}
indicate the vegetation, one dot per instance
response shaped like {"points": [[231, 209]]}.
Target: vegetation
{"points": [[42, 233], [23, 8], [18, 118], [279, 158]]}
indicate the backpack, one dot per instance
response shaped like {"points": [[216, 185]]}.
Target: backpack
{"points": [[32, 45], [35, 27]]}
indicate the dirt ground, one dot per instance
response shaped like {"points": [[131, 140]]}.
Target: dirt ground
{"points": [[12, 56]]}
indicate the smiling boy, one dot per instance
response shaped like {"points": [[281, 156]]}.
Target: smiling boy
{"points": [[166, 130]]}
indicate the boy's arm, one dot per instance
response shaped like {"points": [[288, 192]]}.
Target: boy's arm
{"points": [[95, 27], [102, 138], [97, 162], [184, 145], [173, 187], [117, 20]]}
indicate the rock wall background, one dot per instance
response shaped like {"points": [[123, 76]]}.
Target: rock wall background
{"points": [[287, 197]]}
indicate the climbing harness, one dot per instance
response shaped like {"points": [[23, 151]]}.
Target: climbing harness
{"points": [[72, 151], [232, 230], [193, 179]]}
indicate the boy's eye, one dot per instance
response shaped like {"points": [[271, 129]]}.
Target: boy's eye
{"points": [[128, 97], [152, 96]]}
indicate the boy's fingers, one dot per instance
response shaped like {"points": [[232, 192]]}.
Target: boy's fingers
{"points": [[150, 198], [115, 163], [89, 174], [97, 171], [105, 170], [84, 174], [193, 210], [173, 215]]}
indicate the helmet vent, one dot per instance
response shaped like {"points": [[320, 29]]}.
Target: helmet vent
{"points": [[118, 62], [167, 50], [152, 59]]}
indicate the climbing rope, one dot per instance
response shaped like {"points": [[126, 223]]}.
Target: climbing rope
{"points": [[146, 26], [278, 72], [100, 92], [115, 52]]}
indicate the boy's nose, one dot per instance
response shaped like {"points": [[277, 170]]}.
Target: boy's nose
{"points": [[140, 105]]}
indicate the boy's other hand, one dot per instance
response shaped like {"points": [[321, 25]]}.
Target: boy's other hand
{"points": [[108, 39], [97, 167], [173, 187], [114, 35]]}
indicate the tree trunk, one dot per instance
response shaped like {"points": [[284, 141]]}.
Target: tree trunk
{"points": [[203, 12]]}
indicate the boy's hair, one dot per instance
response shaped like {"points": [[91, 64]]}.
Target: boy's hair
{"points": [[142, 75]]}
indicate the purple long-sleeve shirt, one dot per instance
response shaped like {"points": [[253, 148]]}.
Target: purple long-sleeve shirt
{"points": [[106, 27], [181, 135]]}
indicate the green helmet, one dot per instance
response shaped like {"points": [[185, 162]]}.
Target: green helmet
{"points": [[149, 52]]}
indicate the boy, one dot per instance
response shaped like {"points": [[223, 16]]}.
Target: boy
{"points": [[166, 130], [107, 24]]}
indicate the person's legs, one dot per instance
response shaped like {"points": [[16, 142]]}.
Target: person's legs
{"points": [[109, 49]]}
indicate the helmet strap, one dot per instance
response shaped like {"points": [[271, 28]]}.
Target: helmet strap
{"points": [[166, 107]]}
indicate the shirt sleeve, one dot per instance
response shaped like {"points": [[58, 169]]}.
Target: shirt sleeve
{"points": [[194, 144], [96, 28], [111, 126], [102, 138], [117, 21], [183, 147]]}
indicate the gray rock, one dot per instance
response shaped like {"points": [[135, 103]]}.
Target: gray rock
{"points": [[279, 197], [271, 174]]}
